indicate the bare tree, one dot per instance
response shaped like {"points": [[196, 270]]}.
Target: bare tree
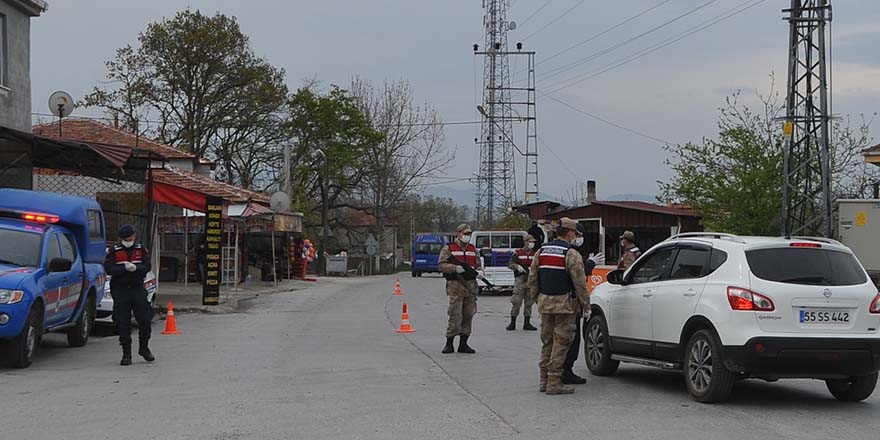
{"points": [[412, 151]]}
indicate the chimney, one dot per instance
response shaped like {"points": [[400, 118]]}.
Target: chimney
{"points": [[115, 120], [591, 191]]}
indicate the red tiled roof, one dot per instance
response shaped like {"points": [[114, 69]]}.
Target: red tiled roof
{"points": [[206, 185], [89, 130], [650, 207]]}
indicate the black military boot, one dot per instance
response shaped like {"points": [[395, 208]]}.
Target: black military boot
{"points": [[126, 355], [463, 347], [528, 325], [144, 350], [449, 348], [569, 378], [512, 325]]}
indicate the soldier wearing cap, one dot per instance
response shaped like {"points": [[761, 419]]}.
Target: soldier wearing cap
{"points": [[521, 263], [128, 263], [558, 280], [630, 252], [461, 288]]}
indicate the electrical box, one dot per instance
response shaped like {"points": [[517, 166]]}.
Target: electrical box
{"points": [[860, 231]]}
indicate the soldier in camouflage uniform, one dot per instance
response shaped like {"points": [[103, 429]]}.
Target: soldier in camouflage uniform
{"points": [[630, 253], [461, 288], [520, 264], [558, 281]]}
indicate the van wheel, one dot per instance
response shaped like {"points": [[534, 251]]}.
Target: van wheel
{"points": [[414, 274], [597, 351], [707, 379], [78, 335], [854, 389], [24, 346]]}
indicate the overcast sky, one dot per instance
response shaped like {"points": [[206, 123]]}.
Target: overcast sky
{"points": [[671, 94]]}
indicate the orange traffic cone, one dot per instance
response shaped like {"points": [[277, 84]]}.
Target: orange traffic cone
{"points": [[397, 291], [404, 321], [170, 323]]}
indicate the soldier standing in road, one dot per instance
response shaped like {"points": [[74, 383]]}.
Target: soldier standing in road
{"points": [[558, 280], [630, 252], [461, 288], [521, 263], [128, 263]]}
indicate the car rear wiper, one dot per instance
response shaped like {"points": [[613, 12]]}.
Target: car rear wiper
{"points": [[818, 280]]}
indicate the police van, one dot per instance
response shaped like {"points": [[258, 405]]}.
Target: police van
{"points": [[496, 248], [51, 269]]}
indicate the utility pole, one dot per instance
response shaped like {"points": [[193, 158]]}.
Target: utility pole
{"points": [[496, 180], [806, 190]]}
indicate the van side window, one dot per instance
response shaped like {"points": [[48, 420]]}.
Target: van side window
{"points": [[500, 241], [68, 248], [482, 242], [517, 241], [52, 249], [96, 226]]}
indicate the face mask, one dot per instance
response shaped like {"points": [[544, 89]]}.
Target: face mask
{"points": [[465, 238], [578, 242], [530, 246], [622, 243], [128, 244]]}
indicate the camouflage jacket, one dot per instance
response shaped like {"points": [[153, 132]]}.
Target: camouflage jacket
{"points": [[562, 304]]}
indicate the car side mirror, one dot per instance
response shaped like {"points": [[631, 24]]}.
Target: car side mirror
{"points": [[60, 265], [615, 276]]}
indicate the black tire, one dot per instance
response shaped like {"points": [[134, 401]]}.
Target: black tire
{"points": [[419, 274], [854, 389], [414, 274], [23, 348], [705, 375], [78, 335], [597, 351]]}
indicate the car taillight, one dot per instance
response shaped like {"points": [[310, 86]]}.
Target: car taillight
{"points": [[805, 245], [875, 305], [744, 299]]}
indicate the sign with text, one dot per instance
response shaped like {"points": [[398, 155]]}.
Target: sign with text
{"points": [[213, 251]]}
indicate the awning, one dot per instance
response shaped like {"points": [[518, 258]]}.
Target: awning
{"points": [[178, 196]]}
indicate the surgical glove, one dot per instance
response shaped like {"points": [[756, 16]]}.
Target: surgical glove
{"points": [[129, 266], [520, 269], [459, 269], [598, 258]]}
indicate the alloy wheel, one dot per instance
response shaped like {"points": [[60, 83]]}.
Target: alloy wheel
{"points": [[700, 366], [596, 344]]}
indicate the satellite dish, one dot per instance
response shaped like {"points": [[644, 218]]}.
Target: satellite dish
{"points": [[512, 25], [280, 201], [61, 104]]}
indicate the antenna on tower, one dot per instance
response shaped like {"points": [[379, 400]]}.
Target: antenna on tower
{"points": [[806, 190], [496, 180]]}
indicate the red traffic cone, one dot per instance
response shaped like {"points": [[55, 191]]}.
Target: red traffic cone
{"points": [[170, 322], [405, 327], [397, 291]]}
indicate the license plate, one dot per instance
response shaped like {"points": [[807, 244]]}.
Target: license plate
{"points": [[824, 317]]}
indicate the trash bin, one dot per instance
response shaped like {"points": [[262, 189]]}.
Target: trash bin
{"points": [[337, 264]]}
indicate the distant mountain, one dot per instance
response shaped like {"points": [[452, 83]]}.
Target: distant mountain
{"points": [[462, 196]]}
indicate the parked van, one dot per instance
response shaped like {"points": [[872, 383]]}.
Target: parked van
{"points": [[426, 252], [496, 249]]}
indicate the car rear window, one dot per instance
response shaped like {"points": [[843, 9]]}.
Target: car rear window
{"points": [[822, 267], [428, 248]]}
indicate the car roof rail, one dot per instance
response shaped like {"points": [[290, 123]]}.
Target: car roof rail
{"points": [[819, 239], [718, 235]]}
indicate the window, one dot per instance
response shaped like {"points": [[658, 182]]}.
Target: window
{"points": [[718, 258], [428, 248], [52, 251], [482, 241], [20, 248], [68, 247], [96, 225], [517, 241], [653, 267], [819, 267], [4, 56], [500, 241], [690, 263]]}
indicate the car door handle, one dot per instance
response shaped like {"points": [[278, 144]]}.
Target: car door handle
{"points": [[64, 280], [648, 293], [690, 292]]}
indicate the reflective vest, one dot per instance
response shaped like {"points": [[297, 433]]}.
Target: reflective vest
{"points": [[467, 256], [120, 254], [128, 280], [525, 258], [552, 277]]}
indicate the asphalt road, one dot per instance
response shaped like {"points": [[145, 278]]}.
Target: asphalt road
{"points": [[324, 363]]}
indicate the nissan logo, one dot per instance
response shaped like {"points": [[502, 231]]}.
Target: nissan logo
{"points": [[827, 293]]}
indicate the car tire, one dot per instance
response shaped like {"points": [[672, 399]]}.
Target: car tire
{"points": [[854, 389], [414, 274], [23, 348], [78, 335], [705, 375], [597, 350]]}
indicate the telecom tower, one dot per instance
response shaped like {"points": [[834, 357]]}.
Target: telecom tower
{"points": [[806, 190], [496, 182]]}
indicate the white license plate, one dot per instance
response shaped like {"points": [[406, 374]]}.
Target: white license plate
{"points": [[824, 317]]}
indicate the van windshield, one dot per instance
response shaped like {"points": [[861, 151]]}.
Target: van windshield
{"points": [[821, 267], [20, 248], [428, 248]]}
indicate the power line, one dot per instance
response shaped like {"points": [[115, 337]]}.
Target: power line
{"points": [[605, 121], [561, 162], [742, 7], [534, 13], [555, 19], [567, 67]]}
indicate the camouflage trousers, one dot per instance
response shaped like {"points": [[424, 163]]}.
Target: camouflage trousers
{"points": [[520, 296], [461, 314], [557, 332]]}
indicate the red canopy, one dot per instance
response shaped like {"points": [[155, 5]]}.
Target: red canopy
{"points": [[180, 197]]}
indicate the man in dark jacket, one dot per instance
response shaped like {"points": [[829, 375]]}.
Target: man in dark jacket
{"points": [[128, 263]]}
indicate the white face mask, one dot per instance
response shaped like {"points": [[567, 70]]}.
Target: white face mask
{"points": [[465, 238], [128, 244], [578, 242], [622, 243], [530, 245]]}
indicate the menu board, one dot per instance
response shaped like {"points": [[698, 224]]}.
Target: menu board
{"points": [[213, 251]]}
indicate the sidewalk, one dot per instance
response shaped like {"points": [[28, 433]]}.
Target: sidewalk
{"points": [[188, 299]]}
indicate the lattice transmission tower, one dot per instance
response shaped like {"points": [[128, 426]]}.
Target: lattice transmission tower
{"points": [[503, 104], [806, 191]]}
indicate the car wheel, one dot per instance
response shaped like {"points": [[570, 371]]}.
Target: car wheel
{"points": [[597, 351], [707, 379], [24, 346], [78, 335], [854, 389], [414, 274]]}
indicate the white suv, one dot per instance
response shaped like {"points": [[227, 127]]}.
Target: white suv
{"points": [[720, 308]]}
